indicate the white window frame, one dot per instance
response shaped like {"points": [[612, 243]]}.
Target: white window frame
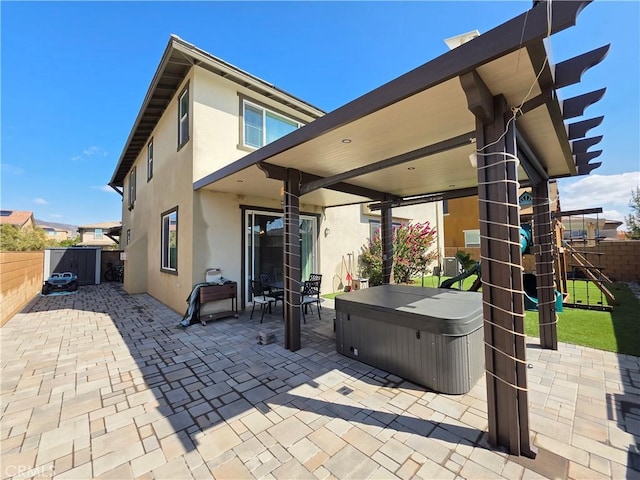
{"points": [[183, 119], [476, 234], [264, 111], [98, 234], [150, 160], [165, 244]]}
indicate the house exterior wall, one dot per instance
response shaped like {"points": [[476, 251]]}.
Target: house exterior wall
{"points": [[349, 232], [210, 232], [88, 238], [463, 215], [171, 186]]}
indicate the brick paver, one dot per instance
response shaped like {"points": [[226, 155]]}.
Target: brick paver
{"points": [[103, 384]]}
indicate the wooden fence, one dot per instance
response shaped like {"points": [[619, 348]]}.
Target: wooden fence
{"points": [[20, 281]]}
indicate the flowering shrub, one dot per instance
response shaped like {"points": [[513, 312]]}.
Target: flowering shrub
{"points": [[411, 253]]}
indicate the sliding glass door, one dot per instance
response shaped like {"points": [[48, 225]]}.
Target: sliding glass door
{"points": [[264, 246]]}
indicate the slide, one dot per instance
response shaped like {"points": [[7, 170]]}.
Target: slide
{"points": [[531, 293], [473, 270]]}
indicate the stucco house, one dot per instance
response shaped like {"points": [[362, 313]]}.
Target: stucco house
{"points": [[199, 115], [19, 218], [97, 234]]}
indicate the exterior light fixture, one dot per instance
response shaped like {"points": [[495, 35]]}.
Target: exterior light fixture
{"points": [[411, 168], [327, 232], [346, 140]]}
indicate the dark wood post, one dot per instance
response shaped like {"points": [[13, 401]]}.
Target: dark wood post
{"points": [[545, 277], [386, 231], [502, 292], [292, 260]]}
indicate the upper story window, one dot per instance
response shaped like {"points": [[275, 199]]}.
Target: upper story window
{"points": [[128, 236], [169, 241], [472, 238], [150, 160], [132, 187], [97, 234], [183, 117], [262, 126]]}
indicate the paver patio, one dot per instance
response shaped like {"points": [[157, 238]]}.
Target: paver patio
{"points": [[101, 384]]}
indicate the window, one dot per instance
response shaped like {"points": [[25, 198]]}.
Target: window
{"points": [[374, 228], [472, 238], [262, 126], [169, 241], [128, 236], [97, 234], [150, 160], [132, 187], [183, 118]]}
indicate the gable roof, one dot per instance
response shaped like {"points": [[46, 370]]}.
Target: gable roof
{"points": [[16, 217], [178, 58], [423, 122]]}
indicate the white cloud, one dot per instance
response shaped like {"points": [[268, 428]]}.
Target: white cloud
{"points": [[94, 150], [7, 168], [40, 201], [612, 193], [599, 191]]}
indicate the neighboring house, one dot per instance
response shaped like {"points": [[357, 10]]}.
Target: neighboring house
{"points": [[580, 228], [461, 227], [97, 234], [21, 219], [200, 114], [54, 233]]}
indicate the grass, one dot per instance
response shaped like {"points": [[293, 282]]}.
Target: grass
{"points": [[615, 331]]}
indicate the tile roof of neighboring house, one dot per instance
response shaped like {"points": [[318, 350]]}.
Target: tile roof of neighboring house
{"points": [[103, 225], [16, 217]]}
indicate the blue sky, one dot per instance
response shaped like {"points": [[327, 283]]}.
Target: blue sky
{"points": [[74, 76]]}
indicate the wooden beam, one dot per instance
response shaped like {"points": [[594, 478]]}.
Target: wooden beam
{"points": [[545, 274], [581, 146], [580, 129], [439, 147], [292, 275], [575, 106], [502, 292], [279, 173], [570, 71], [479, 98]]}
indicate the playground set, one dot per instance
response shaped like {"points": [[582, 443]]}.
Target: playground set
{"points": [[580, 280]]}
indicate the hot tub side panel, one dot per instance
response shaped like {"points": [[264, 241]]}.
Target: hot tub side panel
{"points": [[448, 364]]}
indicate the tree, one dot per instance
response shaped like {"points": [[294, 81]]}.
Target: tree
{"points": [[633, 220], [411, 253], [13, 239]]}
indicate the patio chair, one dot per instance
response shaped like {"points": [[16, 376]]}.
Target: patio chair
{"points": [[260, 298], [268, 281], [310, 295], [317, 277]]}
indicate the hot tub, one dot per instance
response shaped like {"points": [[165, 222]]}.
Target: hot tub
{"points": [[429, 336]]}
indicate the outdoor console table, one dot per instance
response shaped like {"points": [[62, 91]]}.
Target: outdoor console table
{"points": [[216, 292], [430, 336]]}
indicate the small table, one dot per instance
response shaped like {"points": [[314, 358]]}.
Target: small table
{"points": [[215, 292]]}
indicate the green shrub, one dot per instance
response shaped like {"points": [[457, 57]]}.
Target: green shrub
{"points": [[411, 253]]}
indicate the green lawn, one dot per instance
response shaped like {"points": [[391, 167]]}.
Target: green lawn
{"points": [[615, 331]]}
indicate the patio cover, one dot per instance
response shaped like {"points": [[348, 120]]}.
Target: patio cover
{"points": [[411, 139]]}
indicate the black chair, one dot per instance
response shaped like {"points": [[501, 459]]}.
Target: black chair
{"points": [[317, 277], [260, 298], [310, 295]]}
